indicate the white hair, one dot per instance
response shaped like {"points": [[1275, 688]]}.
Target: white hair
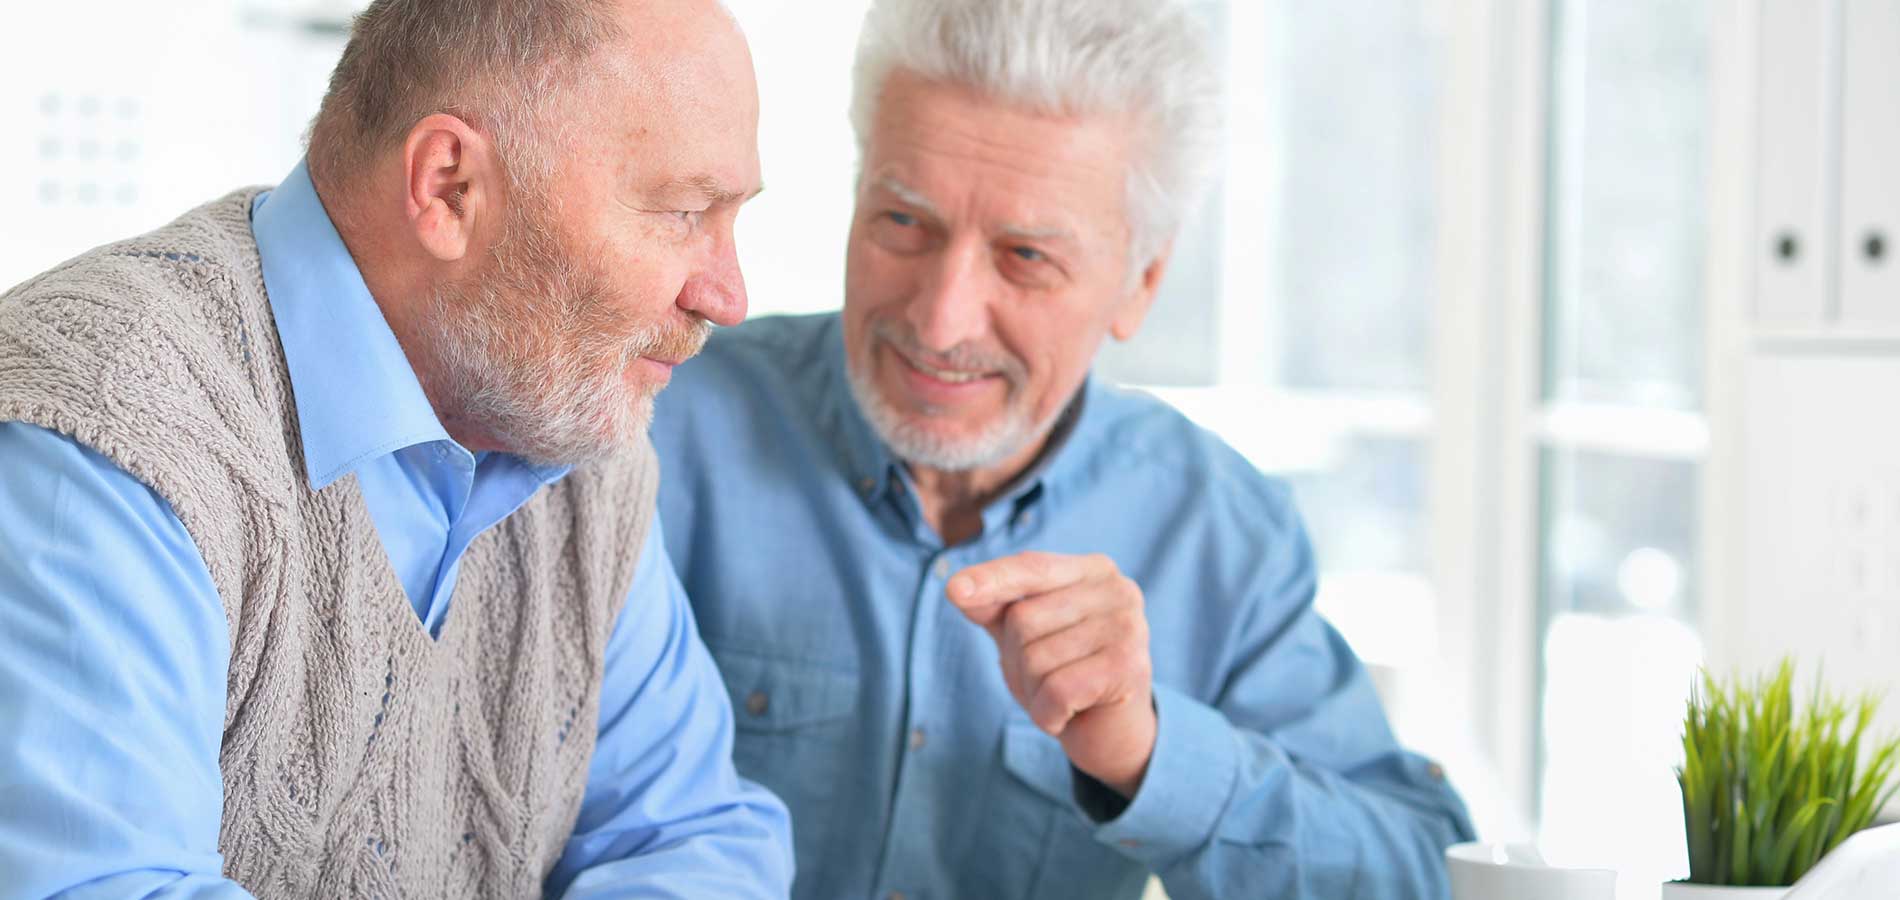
{"points": [[1148, 60]]}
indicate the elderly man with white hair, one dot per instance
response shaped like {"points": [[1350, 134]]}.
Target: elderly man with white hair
{"points": [[994, 629], [328, 562]]}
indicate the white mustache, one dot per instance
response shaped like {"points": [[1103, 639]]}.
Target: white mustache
{"points": [[962, 358]]}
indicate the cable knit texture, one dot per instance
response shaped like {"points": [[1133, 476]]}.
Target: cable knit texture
{"points": [[360, 757]]}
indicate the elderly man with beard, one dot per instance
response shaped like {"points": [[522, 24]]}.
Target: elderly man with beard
{"points": [[328, 559], [994, 628]]}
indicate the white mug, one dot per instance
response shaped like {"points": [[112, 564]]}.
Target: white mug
{"points": [[1481, 871]]}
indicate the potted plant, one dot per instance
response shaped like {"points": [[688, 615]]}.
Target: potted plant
{"points": [[1768, 789]]}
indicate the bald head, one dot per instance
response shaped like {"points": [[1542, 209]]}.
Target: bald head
{"points": [[511, 68]]}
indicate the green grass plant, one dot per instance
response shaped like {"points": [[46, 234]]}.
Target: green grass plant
{"points": [[1769, 789]]}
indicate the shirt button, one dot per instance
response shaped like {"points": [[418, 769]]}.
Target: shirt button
{"points": [[1436, 771], [866, 485], [1129, 843], [942, 569], [916, 739], [757, 703], [894, 895]]}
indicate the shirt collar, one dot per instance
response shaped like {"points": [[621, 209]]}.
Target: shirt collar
{"points": [[875, 469], [357, 396]]}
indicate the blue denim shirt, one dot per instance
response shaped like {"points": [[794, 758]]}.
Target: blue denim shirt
{"points": [[879, 714]]}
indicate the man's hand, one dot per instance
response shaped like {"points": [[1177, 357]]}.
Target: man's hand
{"points": [[1074, 646]]}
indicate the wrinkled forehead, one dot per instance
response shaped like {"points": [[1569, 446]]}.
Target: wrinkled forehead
{"points": [[957, 155]]}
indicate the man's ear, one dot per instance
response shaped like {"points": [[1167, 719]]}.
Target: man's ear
{"points": [[1140, 298], [450, 177]]}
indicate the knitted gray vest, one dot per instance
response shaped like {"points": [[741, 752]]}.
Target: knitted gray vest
{"points": [[360, 757]]}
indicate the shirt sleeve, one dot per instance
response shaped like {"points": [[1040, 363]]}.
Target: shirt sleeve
{"points": [[665, 814], [1325, 803], [113, 651]]}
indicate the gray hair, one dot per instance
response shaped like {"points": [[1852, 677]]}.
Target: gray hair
{"points": [[498, 64], [1148, 60]]}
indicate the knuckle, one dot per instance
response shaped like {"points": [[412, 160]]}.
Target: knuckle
{"points": [[1037, 658], [1042, 564], [1121, 628], [1074, 688], [1019, 619], [1061, 688], [1143, 666], [1131, 658]]}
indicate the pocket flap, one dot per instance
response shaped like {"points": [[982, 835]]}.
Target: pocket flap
{"points": [[775, 694]]}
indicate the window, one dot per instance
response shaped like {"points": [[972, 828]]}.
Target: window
{"points": [[1325, 282], [1621, 434], [1462, 311]]}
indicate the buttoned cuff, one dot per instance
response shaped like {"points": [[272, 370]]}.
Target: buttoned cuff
{"points": [[1189, 781]]}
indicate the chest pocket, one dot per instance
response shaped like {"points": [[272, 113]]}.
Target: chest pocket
{"points": [[771, 695], [794, 729], [1041, 844]]}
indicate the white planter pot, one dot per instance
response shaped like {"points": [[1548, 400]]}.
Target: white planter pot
{"points": [[1677, 890]]}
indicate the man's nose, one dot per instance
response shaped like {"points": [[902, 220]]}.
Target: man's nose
{"points": [[951, 305], [717, 290]]}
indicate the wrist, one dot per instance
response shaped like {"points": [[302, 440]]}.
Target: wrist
{"points": [[1125, 776]]}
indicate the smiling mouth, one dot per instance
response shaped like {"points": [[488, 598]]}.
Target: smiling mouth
{"points": [[948, 376]]}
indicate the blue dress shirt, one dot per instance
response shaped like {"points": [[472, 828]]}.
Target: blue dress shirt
{"points": [[879, 713], [114, 645]]}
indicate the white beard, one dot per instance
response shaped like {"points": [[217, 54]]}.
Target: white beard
{"points": [[917, 444]]}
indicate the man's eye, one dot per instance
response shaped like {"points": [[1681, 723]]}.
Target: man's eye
{"points": [[904, 219], [689, 216], [1029, 254]]}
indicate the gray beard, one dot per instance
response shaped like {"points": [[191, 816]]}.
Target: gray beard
{"points": [[916, 445], [554, 410]]}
